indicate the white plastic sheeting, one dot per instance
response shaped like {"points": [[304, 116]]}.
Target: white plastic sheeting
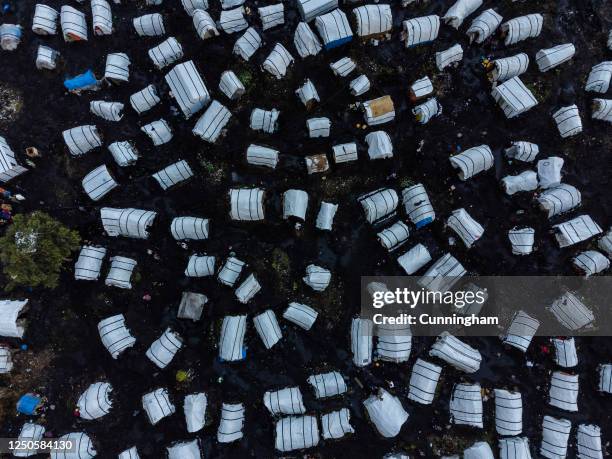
{"points": [[479, 450], [522, 240], [166, 53], [317, 278], [605, 378], [173, 174], [362, 335], [231, 341], [247, 44], [83, 447], [115, 336], [46, 58], [386, 413], [259, 155], [158, 131], [110, 111], [514, 448], [82, 139], [466, 405], [559, 199], [525, 181], [563, 392], [102, 17], [576, 230], [271, 16], [599, 78], [588, 442], [336, 424], [305, 41], [424, 112], [513, 97], [417, 205], [188, 88], [605, 243], [308, 94], [296, 432], [9, 168], [421, 88], [549, 171], [157, 405], [334, 28], [264, 120], [74, 25], [95, 401], [232, 422], [521, 331], [571, 312], [30, 432], [508, 67], [394, 343], [449, 56], [522, 151], [483, 26], [421, 30], [184, 450], [10, 325], [521, 28], [378, 111], [379, 204], [295, 203], [44, 21], [460, 10], [373, 19], [394, 236], [230, 271], [131, 453], [145, 99], [568, 121], [284, 401], [551, 57], [231, 86], [232, 21], [325, 217], [163, 349], [345, 152], [127, 222], [602, 110], [359, 85], [98, 183], [248, 289], [423, 381], [468, 229], [301, 315], [191, 306], [117, 69], [591, 262], [343, 67], [565, 352], [10, 36], [204, 24], [120, 272], [309, 9], [508, 412], [443, 274], [318, 127], [327, 384], [194, 408], [456, 353], [413, 260], [189, 228], [191, 6], [278, 61], [379, 145], [149, 25], [123, 153], [473, 161]]}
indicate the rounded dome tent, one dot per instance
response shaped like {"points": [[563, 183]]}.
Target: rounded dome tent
{"points": [[456, 353], [157, 405], [327, 384], [301, 315], [508, 412], [473, 161], [149, 25], [386, 413], [362, 336], [247, 44], [44, 21], [336, 424], [296, 432], [232, 423], [483, 26], [461, 9], [95, 401], [284, 401], [423, 381], [145, 99], [505, 68], [466, 405], [421, 30], [115, 336], [522, 28]]}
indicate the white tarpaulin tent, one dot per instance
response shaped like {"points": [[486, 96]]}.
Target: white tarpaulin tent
{"points": [[559, 199], [359, 85], [271, 15], [563, 392], [305, 41], [325, 217], [429, 109], [191, 6], [508, 412], [232, 423], [514, 448], [166, 53], [555, 434], [246, 204], [588, 442], [82, 139], [605, 243], [191, 306], [115, 336], [568, 121], [525, 181], [565, 352], [473, 161], [506, 68], [343, 67], [449, 56], [521, 28], [576, 230], [460, 10], [317, 278], [131, 453], [571, 312], [230, 271], [248, 289], [379, 204], [521, 331], [591, 262], [6, 361], [301, 315], [82, 447], [296, 432], [309, 9], [421, 30], [231, 340], [278, 61], [120, 272], [605, 378], [599, 78], [414, 259], [232, 21], [513, 97], [421, 88], [189, 228], [204, 24], [163, 349], [345, 152], [149, 25], [423, 381], [443, 274], [479, 450], [110, 111], [264, 120], [211, 124], [173, 174], [549, 171], [386, 413], [308, 94], [230, 85], [10, 324], [466, 405], [550, 58], [522, 151], [102, 17], [334, 28], [362, 336], [9, 168], [373, 19], [30, 432], [157, 405], [602, 110], [259, 155], [247, 44], [284, 401], [521, 240], [295, 203], [145, 99], [456, 353], [184, 450], [200, 266], [394, 342], [188, 88], [127, 222], [158, 131], [98, 183], [46, 58], [336, 424], [194, 408], [44, 21], [394, 236], [327, 384], [468, 229], [95, 401], [74, 24], [483, 26]]}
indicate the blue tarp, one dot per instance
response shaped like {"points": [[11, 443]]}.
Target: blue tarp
{"points": [[83, 81], [28, 403]]}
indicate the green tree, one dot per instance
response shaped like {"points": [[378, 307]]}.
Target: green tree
{"points": [[33, 250]]}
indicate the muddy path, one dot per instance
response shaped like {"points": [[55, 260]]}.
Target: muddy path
{"points": [[64, 320]]}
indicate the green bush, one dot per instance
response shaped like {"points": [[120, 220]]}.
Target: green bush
{"points": [[33, 250]]}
